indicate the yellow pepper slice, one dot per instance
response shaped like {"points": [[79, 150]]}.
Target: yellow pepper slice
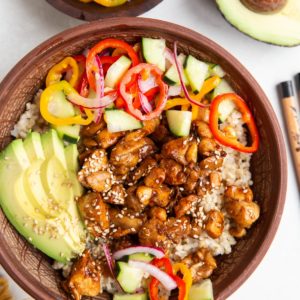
{"points": [[176, 102], [86, 1], [56, 72], [46, 98], [110, 3], [207, 87], [185, 107], [187, 276]]}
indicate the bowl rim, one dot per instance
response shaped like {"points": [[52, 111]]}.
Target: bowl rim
{"points": [[171, 28]]}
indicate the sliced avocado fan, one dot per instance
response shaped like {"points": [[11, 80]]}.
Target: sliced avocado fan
{"points": [[38, 186], [280, 28]]}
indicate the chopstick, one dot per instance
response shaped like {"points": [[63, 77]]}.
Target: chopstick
{"points": [[290, 114]]}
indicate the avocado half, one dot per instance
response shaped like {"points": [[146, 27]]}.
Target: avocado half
{"points": [[279, 28]]}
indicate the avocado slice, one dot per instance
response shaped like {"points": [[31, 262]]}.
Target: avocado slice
{"points": [[33, 146], [40, 199], [53, 145], [46, 234], [71, 154], [57, 183], [280, 27]]}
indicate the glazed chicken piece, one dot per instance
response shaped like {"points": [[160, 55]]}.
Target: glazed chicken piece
{"points": [[161, 135], [161, 196], [144, 194], [239, 194], [150, 234], [174, 172], [203, 129], [211, 163], [89, 142], [214, 223], [192, 152], [242, 212], [95, 214], [106, 139], [94, 173], [201, 264], [159, 213], [125, 221], [176, 149], [84, 279], [155, 178], [84, 154], [209, 181], [196, 229], [207, 146], [116, 195], [100, 181], [93, 128], [138, 198], [176, 229], [186, 205], [150, 126], [130, 150], [240, 206], [192, 172], [142, 170]]}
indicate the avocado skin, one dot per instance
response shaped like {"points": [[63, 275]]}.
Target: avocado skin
{"points": [[50, 234], [280, 44]]}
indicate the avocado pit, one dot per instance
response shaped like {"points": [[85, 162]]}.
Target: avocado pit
{"points": [[264, 6]]}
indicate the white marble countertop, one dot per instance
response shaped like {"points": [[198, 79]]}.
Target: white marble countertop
{"points": [[25, 24]]}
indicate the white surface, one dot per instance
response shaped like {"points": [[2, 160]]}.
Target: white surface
{"points": [[26, 23]]}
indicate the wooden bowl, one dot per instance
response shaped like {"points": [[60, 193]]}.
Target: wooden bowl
{"points": [[30, 268], [93, 11]]}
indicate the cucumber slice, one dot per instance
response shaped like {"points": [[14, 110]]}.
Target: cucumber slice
{"points": [[179, 122], [225, 109], [223, 88], [196, 72], [171, 76], [145, 257], [69, 133], [118, 120], [201, 291], [142, 296], [129, 278], [116, 71], [59, 106], [217, 70], [153, 52]]}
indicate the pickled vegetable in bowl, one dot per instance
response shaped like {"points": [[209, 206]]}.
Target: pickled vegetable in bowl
{"points": [[107, 3]]}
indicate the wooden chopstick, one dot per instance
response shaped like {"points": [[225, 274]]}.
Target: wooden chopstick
{"points": [[290, 114]]}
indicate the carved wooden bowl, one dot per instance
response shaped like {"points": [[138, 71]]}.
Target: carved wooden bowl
{"points": [[30, 268], [93, 11]]}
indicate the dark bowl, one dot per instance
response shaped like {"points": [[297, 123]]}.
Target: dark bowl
{"points": [[93, 11], [30, 268]]}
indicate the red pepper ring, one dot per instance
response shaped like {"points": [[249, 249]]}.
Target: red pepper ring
{"points": [[129, 98], [165, 263], [105, 44], [153, 287], [247, 118]]}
